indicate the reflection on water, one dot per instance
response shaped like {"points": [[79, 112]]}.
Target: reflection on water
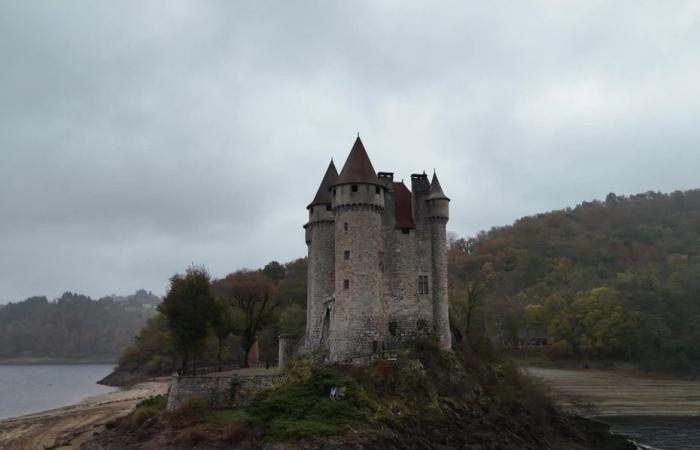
{"points": [[662, 433]]}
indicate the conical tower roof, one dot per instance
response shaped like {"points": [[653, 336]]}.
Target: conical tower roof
{"points": [[323, 195], [358, 168], [436, 190]]}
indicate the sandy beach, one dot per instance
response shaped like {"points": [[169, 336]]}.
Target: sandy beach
{"points": [[70, 426], [621, 393]]}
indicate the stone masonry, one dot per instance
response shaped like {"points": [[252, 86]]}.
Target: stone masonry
{"points": [[377, 261], [230, 390]]}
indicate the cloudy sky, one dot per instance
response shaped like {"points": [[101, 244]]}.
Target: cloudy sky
{"points": [[138, 137]]}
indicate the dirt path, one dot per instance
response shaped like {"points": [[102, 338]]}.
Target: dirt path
{"points": [[70, 426], [621, 393]]}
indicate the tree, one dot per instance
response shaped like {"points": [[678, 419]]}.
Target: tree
{"points": [[470, 293], [189, 307], [274, 271], [222, 325], [606, 326], [253, 297]]}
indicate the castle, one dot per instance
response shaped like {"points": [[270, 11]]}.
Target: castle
{"points": [[377, 260]]}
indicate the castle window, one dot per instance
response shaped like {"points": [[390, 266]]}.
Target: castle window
{"points": [[345, 226], [328, 207], [353, 188], [334, 192], [422, 284], [393, 328], [346, 254], [377, 189], [406, 230], [346, 284]]}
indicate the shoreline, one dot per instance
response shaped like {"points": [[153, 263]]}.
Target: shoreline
{"points": [[597, 393], [69, 426], [32, 361]]}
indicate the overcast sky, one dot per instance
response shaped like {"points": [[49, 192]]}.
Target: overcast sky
{"points": [[138, 137]]}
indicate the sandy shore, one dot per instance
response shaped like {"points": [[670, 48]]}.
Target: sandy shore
{"points": [[621, 393], [70, 426]]}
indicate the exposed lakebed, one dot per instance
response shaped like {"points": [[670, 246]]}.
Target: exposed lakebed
{"points": [[660, 413]]}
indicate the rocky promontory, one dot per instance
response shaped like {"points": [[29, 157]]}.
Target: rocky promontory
{"points": [[423, 398]]}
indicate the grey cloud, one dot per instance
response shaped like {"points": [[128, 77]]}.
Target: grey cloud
{"points": [[137, 137]]}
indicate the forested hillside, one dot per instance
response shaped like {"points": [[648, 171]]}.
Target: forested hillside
{"points": [[615, 279], [618, 279], [73, 327]]}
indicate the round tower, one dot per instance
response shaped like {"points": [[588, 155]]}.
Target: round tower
{"points": [[320, 241], [357, 203], [438, 215]]}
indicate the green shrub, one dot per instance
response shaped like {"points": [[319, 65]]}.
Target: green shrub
{"points": [[147, 409], [300, 409]]}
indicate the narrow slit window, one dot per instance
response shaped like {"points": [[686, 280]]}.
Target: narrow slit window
{"points": [[346, 284], [346, 255], [378, 190], [422, 284], [345, 226]]}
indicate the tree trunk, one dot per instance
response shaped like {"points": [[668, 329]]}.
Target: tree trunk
{"points": [[469, 319], [245, 358], [184, 365]]}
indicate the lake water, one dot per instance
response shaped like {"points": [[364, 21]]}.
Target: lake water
{"points": [[29, 389], [662, 433]]}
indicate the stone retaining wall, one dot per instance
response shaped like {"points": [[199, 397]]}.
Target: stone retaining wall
{"points": [[219, 391]]}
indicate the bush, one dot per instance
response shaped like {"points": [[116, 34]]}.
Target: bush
{"points": [[559, 350], [147, 409], [304, 408]]}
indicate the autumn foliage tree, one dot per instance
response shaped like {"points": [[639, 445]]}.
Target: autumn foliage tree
{"points": [[253, 298]]}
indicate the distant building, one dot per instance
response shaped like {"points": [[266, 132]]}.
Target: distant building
{"points": [[377, 260]]}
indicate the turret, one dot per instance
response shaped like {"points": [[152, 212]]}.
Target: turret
{"points": [[438, 203], [438, 215], [320, 239], [357, 203]]}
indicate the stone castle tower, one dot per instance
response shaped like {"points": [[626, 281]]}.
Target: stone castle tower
{"points": [[377, 260]]}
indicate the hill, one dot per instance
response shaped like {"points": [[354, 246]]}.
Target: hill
{"points": [[608, 280], [72, 328], [615, 279], [424, 398]]}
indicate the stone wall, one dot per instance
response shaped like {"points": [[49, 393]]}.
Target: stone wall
{"points": [[358, 317], [441, 320], [321, 278], [219, 391]]}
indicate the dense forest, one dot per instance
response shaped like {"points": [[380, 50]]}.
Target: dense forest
{"points": [[615, 279], [608, 280], [73, 327]]}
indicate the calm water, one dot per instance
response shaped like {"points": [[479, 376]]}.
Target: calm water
{"points": [[28, 389], [662, 433]]}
